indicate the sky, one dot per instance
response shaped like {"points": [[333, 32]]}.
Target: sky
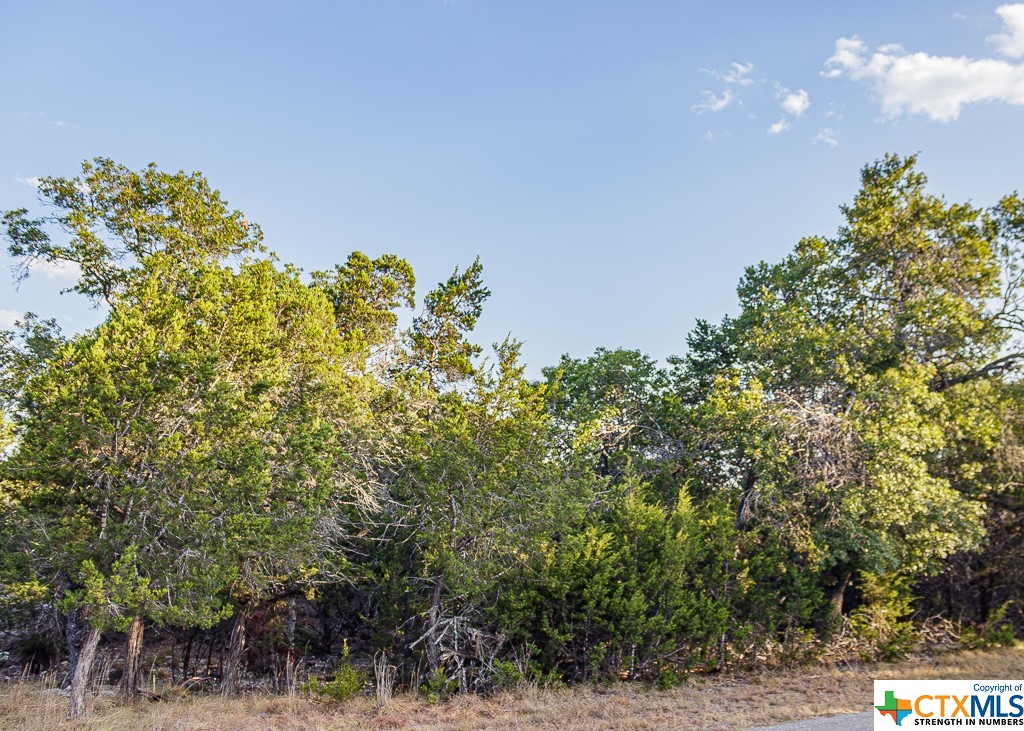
{"points": [[614, 164]]}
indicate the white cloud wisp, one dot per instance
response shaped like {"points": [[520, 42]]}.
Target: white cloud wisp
{"points": [[712, 103], [826, 136]]}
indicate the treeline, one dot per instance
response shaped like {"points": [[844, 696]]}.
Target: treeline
{"points": [[243, 447]]}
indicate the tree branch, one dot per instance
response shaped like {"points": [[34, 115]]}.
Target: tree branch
{"points": [[996, 368]]}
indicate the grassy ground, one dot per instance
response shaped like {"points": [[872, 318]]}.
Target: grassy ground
{"points": [[712, 702]]}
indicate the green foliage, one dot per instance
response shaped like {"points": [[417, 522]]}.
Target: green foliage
{"points": [[110, 219], [883, 620], [194, 430], [365, 294], [610, 410], [24, 353], [184, 450], [229, 432], [348, 681], [997, 631], [668, 678], [506, 675], [846, 407], [618, 593], [438, 347], [438, 687], [477, 499]]}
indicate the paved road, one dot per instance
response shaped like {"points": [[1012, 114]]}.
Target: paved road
{"points": [[849, 722]]}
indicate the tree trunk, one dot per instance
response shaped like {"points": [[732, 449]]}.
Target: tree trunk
{"points": [[187, 655], [80, 679], [73, 626], [132, 677], [408, 665], [209, 652], [291, 619], [433, 615], [236, 646], [73, 640], [835, 600]]}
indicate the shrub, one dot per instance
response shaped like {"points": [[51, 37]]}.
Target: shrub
{"points": [[997, 631], [882, 620], [348, 681], [438, 687]]}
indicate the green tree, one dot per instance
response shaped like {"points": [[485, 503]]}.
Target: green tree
{"points": [[613, 404], [365, 293], [438, 346], [847, 362], [110, 218], [479, 492], [189, 446], [190, 454], [476, 486]]}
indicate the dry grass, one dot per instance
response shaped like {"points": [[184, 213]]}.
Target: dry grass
{"points": [[723, 702]]}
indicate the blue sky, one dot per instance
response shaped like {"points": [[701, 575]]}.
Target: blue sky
{"points": [[615, 165]]}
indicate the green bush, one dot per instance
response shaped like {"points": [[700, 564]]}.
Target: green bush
{"points": [[438, 687], [668, 678], [506, 674], [882, 620], [348, 681], [997, 631]]}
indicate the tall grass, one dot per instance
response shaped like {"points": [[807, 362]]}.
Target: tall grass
{"points": [[723, 702]]}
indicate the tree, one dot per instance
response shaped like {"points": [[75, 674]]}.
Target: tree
{"points": [[613, 404], [475, 486], [365, 293], [189, 454], [438, 347], [188, 446], [483, 491], [110, 219], [848, 358]]}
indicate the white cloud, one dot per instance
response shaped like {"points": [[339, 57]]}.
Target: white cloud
{"points": [[8, 318], [826, 136], [795, 102], [58, 270], [712, 103], [849, 56], [781, 126], [41, 116], [1010, 43], [32, 182], [737, 73], [938, 87]]}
